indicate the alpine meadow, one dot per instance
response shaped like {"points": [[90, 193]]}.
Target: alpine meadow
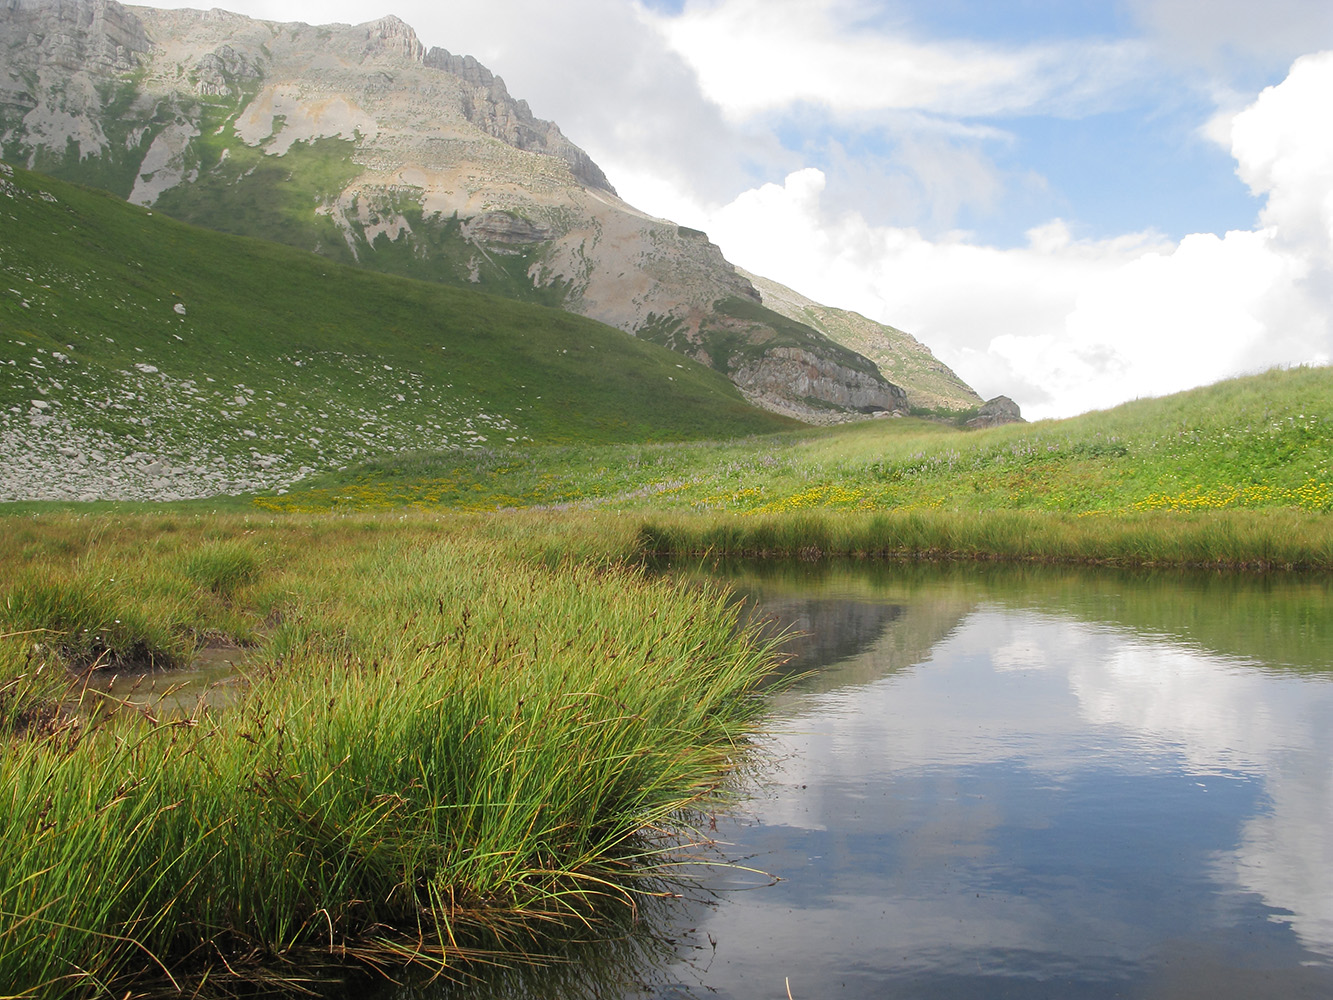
{"points": [[320, 352]]}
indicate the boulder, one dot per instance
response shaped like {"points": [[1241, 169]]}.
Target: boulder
{"points": [[997, 411]]}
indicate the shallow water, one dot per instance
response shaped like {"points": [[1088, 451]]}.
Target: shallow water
{"points": [[1016, 783], [211, 680]]}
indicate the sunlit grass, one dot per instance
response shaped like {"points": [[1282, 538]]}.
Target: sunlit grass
{"points": [[1260, 443], [1281, 539]]}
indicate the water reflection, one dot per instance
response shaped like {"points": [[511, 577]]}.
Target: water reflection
{"points": [[1224, 716], [212, 680], [1011, 792], [822, 631]]}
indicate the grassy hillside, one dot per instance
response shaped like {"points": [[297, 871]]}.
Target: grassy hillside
{"points": [[153, 359], [243, 190], [1261, 442]]}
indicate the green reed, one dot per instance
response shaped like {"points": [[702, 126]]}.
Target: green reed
{"points": [[1275, 539], [443, 739]]}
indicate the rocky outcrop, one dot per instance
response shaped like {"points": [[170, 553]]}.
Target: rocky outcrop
{"points": [[997, 411], [504, 229], [800, 384], [900, 357], [391, 36], [222, 72]]}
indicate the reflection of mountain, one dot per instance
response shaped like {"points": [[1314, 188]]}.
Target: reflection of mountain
{"points": [[823, 632], [849, 624]]}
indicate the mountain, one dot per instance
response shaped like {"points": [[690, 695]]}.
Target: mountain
{"points": [[358, 143], [143, 358]]}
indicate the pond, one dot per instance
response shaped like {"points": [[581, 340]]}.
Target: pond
{"points": [[993, 782]]}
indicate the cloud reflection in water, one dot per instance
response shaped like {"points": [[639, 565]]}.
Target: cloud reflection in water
{"points": [[1041, 802]]}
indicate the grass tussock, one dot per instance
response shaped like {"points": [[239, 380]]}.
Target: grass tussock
{"points": [[446, 740], [221, 567], [81, 618], [31, 684]]}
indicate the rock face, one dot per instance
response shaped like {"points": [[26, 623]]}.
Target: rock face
{"points": [[53, 56], [902, 359], [799, 384], [997, 411], [487, 104], [355, 142], [501, 229]]}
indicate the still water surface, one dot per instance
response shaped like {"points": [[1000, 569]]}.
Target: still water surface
{"points": [[1027, 784], [212, 680], [1039, 785]]}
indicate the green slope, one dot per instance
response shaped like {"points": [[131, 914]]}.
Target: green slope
{"points": [[1262, 442], [132, 341]]}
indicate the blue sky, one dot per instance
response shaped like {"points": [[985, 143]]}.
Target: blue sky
{"points": [[1139, 163], [1073, 204], [1130, 168], [1016, 21]]}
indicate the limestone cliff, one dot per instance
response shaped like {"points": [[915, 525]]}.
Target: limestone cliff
{"points": [[797, 383]]}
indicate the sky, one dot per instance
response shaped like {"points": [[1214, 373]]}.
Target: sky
{"points": [[1072, 203]]}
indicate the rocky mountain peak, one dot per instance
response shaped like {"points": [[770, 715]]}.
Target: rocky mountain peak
{"points": [[487, 105], [75, 35], [393, 37]]}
